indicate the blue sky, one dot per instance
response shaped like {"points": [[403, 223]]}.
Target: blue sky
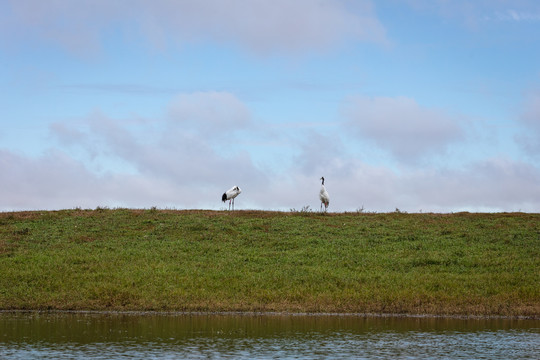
{"points": [[420, 105]]}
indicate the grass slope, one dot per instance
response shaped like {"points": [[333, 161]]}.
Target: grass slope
{"points": [[121, 259]]}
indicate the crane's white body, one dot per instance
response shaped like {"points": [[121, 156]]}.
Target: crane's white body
{"points": [[323, 195], [230, 195]]}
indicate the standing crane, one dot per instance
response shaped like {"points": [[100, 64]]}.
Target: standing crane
{"points": [[230, 195], [323, 195]]}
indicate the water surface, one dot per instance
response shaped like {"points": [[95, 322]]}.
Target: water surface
{"points": [[197, 336]]}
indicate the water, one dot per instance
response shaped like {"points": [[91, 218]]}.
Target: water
{"points": [[152, 336]]}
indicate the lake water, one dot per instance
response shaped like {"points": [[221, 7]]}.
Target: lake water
{"points": [[203, 336]]}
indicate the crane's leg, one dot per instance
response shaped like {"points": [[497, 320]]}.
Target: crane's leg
{"points": [[233, 204], [229, 205]]}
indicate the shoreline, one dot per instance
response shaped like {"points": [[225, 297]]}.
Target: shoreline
{"points": [[272, 314]]}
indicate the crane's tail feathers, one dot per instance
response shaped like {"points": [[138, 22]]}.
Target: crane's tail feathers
{"points": [[224, 197]]}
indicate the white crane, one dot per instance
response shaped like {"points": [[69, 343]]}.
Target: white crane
{"points": [[230, 195], [323, 195]]}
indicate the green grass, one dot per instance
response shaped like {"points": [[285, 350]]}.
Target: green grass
{"points": [[466, 264]]}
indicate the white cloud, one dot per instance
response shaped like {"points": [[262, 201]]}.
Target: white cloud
{"points": [[180, 155], [164, 150], [261, 26], [516, 16], [319, 153], [401, 126], [473, 13], [169, 167], [46, 182], [75, 26], [496, 184], [490, 185], [56, 180]]}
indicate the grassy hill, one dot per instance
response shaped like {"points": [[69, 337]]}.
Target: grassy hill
{"points": [[122, 259]]}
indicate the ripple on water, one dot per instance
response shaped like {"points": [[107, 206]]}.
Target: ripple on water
{"points": [[47, 336]]}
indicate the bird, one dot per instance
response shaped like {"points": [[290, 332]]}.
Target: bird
{"points": [[323, 195], [230, 195]]}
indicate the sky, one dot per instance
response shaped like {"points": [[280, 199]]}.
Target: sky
{"points": [[411, 105]]}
